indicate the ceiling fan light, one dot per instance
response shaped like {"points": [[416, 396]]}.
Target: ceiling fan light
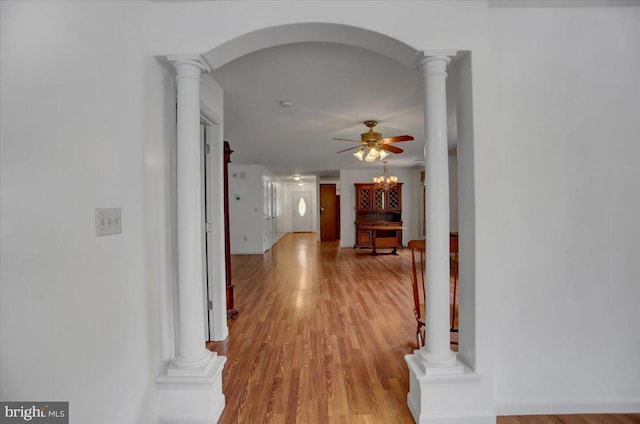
{"points": [[371, 156], [383, 154], [359, 154]]}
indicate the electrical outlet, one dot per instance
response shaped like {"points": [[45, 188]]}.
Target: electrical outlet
{"points": [[108, 221]]}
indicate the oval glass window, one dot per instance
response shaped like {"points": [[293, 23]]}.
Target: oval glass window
{"points": [[302, 207]]}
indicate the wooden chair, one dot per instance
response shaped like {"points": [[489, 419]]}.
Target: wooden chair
{"points": [[417, 248], [453, 268]]}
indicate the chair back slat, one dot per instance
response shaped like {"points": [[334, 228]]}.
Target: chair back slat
{"points": [[417, 248]]}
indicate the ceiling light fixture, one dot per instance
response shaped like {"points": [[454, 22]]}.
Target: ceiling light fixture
{"points": [[286, 103], [385, 181], [296, 177], [373, 152], [359, 154], [372, 146], [372, 155]]}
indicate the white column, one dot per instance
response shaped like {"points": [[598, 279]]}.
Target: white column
{"points": [[190, 389], [436, 353], [192, 352], [441, 389]]}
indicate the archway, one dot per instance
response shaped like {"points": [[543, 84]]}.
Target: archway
{"points": [[460, 97], [433, 65], [312, 32]]}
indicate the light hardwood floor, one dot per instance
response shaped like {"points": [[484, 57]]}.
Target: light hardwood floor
{"points": [[321, 337]]}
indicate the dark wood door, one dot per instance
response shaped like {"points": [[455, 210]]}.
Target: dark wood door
{"points": [[328, 215]]}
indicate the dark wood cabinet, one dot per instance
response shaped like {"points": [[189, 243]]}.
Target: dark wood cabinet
{"points": [[376, 207], [232, 312], [371, 199], [364, 238]]}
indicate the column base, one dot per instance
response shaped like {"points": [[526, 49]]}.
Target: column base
{"points": [[202, 367], [447, 395], [192, 397], [432, 366]]}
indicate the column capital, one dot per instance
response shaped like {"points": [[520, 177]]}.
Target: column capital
{"points": [[188, 65], [434, 65]]}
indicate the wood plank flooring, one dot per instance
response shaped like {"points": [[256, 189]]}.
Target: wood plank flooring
{"points": [[321, 338]]}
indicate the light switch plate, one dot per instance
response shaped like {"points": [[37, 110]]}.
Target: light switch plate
{"points": [[108, 221]]}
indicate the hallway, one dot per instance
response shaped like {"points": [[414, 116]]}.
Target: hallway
{"points": [[321, 335]]}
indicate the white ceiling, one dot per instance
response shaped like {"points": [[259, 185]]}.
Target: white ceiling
{"points": [[334, 88]]}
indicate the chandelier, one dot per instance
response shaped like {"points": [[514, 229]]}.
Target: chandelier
{"points": [[385, 181], [371, 151]]}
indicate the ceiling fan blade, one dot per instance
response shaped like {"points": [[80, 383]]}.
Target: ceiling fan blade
{"points": [[390, 148], [397, 139], [345, 139], [350, 148]]}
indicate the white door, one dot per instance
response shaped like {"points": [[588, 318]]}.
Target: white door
{"points": [[302, 211], [213, 228], [206, 225], [267, 228]]}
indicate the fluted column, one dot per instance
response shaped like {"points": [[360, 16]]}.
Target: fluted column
{"points": [[192, 352], [437, 353]]}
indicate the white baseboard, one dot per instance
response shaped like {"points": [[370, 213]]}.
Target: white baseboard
{"points": [[581, 407]]}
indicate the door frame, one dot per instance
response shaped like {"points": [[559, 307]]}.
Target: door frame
{"points": [[335, 210], [214, 287], [310, 208]]}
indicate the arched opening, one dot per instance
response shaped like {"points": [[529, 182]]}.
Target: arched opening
{"points": [[460, 137], [311, 32]]}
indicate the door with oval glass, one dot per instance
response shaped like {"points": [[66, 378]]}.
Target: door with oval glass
{"points": [[302, 211]]}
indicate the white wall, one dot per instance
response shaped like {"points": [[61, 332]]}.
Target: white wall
{"points": [[281, 222], [84, 125], [453, 191], [247, 209], [411, 211], [211, 95], [247, 219], [565, 160]]}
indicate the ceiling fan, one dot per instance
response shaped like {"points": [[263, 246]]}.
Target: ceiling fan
{"points": [[372, 143]]}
